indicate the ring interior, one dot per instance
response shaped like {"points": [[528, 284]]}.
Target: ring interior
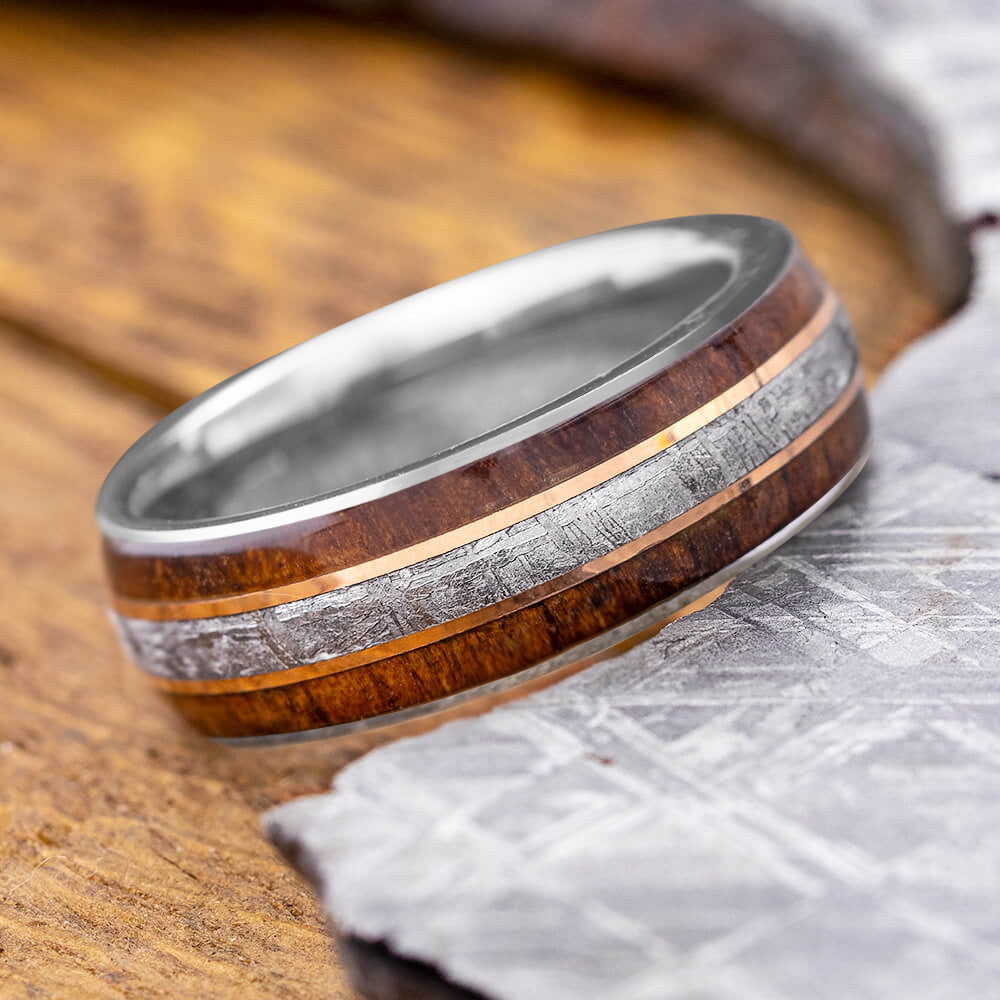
{"points": [[498, 350]]}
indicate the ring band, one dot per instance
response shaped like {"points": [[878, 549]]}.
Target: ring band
{"points": [[486, 484]]}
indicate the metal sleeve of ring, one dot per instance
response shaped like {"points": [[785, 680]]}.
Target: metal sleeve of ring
{"points": [[476, 489]]}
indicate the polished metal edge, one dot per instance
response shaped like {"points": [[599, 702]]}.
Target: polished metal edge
{"points": [[584, 651], [761, 267]]}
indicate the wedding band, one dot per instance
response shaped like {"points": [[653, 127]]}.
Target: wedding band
{"points": [[485, 485]]}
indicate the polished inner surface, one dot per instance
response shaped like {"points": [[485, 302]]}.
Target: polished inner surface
{"points": [[403, 411], [475, 363]]}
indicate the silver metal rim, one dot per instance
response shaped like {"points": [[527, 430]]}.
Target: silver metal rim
{"points": [[754, 274]]}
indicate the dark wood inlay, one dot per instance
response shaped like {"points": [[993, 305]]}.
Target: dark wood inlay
{"points": [[516, 641]]}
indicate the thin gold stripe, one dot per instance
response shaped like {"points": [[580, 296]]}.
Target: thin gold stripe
{"points": [[474, 530], [351, 661]]}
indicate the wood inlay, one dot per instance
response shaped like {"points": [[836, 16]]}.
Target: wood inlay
{"points": [[495, 612], [513, 641]]}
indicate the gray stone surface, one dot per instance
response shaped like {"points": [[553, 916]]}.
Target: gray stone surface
{"points": [[795, 793]]}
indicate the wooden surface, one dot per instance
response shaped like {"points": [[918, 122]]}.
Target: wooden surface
{"points": [[181, 198]]}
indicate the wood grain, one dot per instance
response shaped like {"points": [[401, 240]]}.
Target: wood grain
{"points": [[183, 195], [513, 639], [207, 191], [132, 861]]}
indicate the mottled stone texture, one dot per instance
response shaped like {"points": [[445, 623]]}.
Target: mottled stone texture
{"points": [[795, 793]]}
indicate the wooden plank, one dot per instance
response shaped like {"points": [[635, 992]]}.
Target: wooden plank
{"points": [[132, 859], [184, 195]]}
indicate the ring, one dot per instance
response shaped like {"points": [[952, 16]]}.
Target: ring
{"points": [[472, 491]]}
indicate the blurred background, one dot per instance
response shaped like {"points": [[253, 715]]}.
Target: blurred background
{"points": [[185, 191]]}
